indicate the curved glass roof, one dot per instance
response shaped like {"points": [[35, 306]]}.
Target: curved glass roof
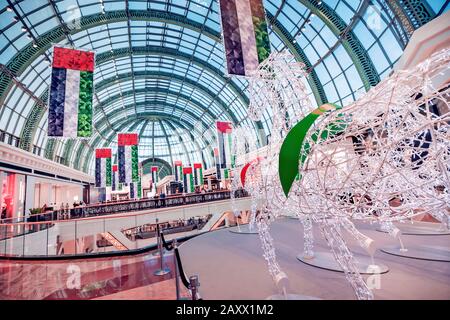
{"points": [[160, 67]]}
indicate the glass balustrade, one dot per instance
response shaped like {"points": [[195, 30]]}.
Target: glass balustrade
{"points": [[102, 228]]}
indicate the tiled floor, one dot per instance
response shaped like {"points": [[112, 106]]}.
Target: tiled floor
{"points": [[232, 266], [163, 290], [115, 278]]}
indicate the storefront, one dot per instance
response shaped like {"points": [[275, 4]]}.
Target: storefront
{"points": [[12, 193]]}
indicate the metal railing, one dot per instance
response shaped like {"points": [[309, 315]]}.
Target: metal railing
{"points": [[192, 284], [114, 207], [92, 236]]}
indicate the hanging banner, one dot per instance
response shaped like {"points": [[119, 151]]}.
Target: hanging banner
{"points": [[103, 171], [115, 178], [224, 130], [188, 180], [128, 157], [198, 174], [245, 35], [139, 189], [217, 162], [71, 92], [136, 190], [154, 172], [225, 174], [178, 170], [132, 191]]}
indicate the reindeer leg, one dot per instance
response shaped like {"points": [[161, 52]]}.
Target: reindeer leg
{"points": [[364, 241], [394, 232], [308, 237], [279, 277], [251, 225], [332, 234]]}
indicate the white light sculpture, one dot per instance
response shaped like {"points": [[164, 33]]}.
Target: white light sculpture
{"points": [[389, 146], [276, 88], [383, 158]]}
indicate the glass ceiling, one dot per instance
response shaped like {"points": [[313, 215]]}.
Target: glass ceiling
{"points": [[161, 72]]}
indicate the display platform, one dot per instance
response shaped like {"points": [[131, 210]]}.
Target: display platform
{"points": [[244, 229], [431, 253], [231, 266], [325, 260], [420, 228]]}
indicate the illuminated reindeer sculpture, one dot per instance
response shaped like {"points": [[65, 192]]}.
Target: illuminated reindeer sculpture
{"points": [[276, 88], [392, 144]]}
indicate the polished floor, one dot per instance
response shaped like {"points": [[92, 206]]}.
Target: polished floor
{"points": [[107, 278], [231, 266]]}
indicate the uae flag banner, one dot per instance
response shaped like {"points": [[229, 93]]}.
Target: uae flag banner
{"points": [[139, 189], [136, 190], [127, 154], [132, 190], [224, 130], [217, 162], [103, 168], [188, 180], [115, 178], [178, 170], [198, 174], [71, 92], [154, 174], [225, 174], [245, 35]]}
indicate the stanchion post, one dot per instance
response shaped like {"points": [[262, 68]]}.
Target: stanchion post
{"points": [[158, 239], [177, 272], [193, 286], [161, 271]]}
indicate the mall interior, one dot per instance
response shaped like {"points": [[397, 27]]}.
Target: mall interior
{"points": [[225, 149]]}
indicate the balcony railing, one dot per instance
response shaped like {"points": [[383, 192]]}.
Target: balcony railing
{"points": [[46, 236]]}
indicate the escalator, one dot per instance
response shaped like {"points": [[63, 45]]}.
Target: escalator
{"points": [[113, 240]]}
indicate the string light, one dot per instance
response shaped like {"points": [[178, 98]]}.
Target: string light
{"points": [[387, 151]]}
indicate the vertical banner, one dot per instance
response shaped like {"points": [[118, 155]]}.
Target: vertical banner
{"points": [[188, 180], [103, 168], [245, 35], [128, 157], [139, 189], [135, 190], [224, 140], [115, 178], [71, 92], [216, 160], [198, 174], [178, 170], [132, 192], [225, 174], [154, 172]]}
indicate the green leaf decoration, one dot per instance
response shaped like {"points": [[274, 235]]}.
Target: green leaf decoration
{"points": [[289, 158]]}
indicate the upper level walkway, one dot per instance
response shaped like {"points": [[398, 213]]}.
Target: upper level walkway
{"points": [[91, 225]]}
